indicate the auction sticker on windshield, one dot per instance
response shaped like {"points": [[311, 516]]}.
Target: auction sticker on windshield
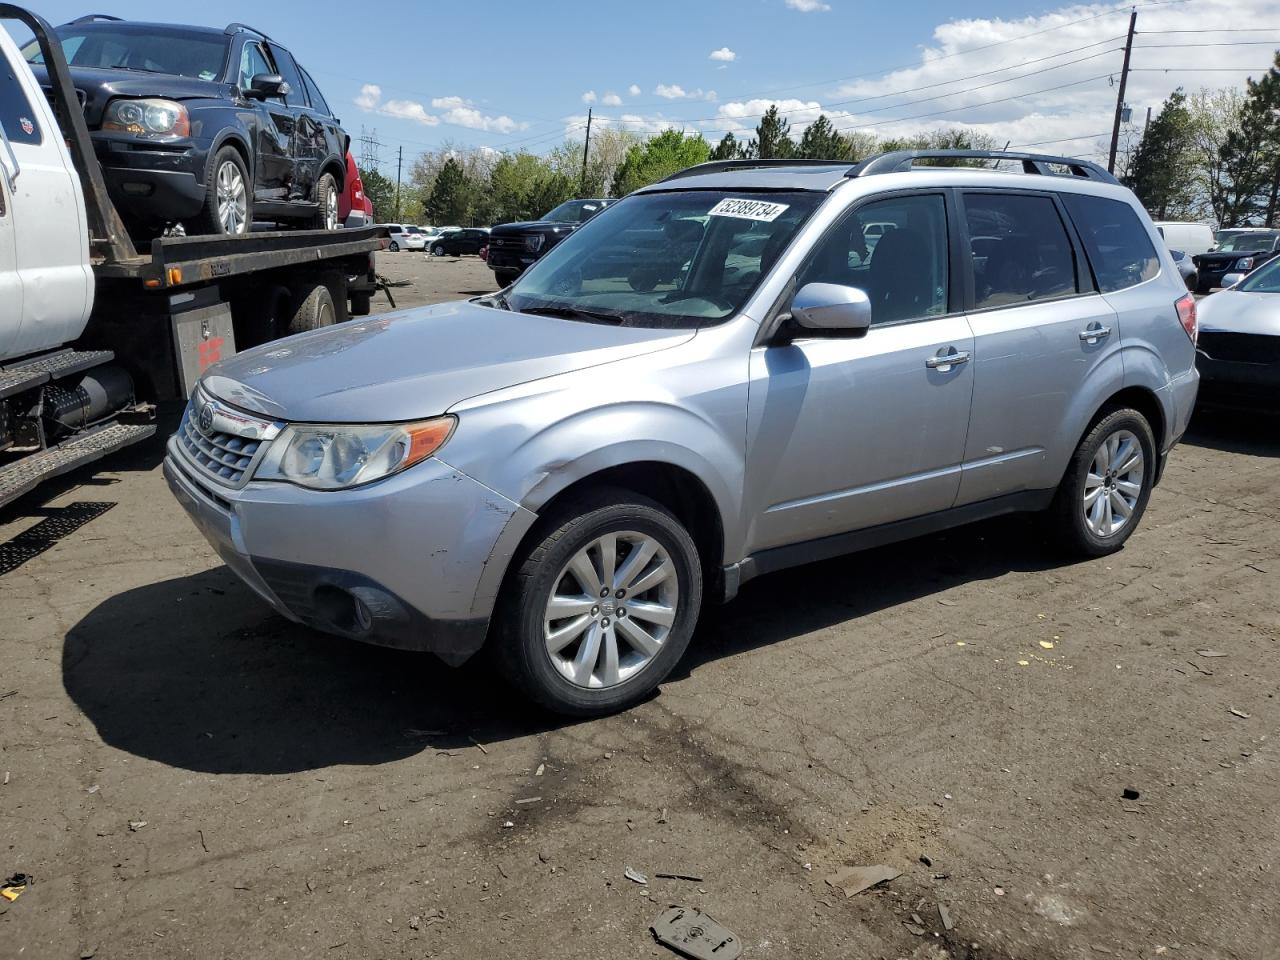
{"points": [[748, 209]]}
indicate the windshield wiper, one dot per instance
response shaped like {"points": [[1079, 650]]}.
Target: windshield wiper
{"points": [[573, 313]]}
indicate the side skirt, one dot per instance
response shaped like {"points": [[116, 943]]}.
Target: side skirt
{"points": [[824, 548]]}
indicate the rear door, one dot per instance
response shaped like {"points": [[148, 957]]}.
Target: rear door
{"points": [[1040, 329]]}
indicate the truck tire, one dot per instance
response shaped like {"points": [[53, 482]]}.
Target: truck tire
{"points": [[506, 277], [360, 303], [319, 302], [326, 198], [228, 197]]}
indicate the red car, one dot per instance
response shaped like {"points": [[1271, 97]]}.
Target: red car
{"points": [[354, 208]]}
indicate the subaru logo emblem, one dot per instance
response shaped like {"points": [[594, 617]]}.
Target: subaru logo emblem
{"points": [[205, 419]]}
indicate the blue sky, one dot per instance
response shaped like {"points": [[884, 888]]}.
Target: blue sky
{"points": [[521, 75]]}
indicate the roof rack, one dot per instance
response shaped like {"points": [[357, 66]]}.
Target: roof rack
{"points": [[238, 26], [719, 166], [91, 17], [899, 161]]}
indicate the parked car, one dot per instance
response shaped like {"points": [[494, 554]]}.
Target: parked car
{"points": [[404, 237], [354, 208], [569, 468], [1190, 238], [1226, 233], [1186, 268], [1238, 252], [513, 247], [211, 128], [1238, 352], [456, 242]]}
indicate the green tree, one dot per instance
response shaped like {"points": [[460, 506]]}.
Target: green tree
{"points": [[381, 192], [1160, 174], [523, 187], [773, 137], [727, 149], [449, 200], [820, 141], [658, 157]]}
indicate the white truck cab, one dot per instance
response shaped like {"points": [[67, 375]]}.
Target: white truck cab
{"points": [[46, 283]]}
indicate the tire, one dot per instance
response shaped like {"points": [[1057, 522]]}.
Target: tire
{"points": [[325, 194], [262, 317], [225, 171], [316, 305], [394, 247], [605, 684], [361, 303], [1101, 453], [505, 278], [438, 250], [1203, 286]]}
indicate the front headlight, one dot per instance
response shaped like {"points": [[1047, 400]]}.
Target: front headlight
{"points": [[166, 118], [1244, 263], [340, 455], [533, 242]]}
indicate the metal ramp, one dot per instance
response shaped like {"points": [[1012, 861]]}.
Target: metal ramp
{"points": [[23, 475]]}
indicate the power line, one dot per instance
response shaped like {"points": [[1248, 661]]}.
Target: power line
{"points": [[1086, 136], [1187, 46]]}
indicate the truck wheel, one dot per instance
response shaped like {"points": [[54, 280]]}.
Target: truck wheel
{"points": [[360, 304], [505, 277], [602, 605], [1107, 485], [326, 197], [319, 303], [228, 197]]}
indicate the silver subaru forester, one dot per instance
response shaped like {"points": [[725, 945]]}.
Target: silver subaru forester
{"points": [[746, 366]]}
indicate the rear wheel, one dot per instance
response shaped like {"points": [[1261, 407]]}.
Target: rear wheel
{"points": [[326, 198], [394, 247], [320, 302], [602, 606], [228, 202], [1105, 490]]}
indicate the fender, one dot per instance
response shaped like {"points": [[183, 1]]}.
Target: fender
{"points": [[1102, 382], [238, 137]]}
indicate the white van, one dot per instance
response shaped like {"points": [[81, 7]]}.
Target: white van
{"points": [[1190, 238]]}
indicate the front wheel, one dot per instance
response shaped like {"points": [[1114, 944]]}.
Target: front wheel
{"points": [[1107, 485], [505, 278], [228, 201], [602, 606], [438, 250]]}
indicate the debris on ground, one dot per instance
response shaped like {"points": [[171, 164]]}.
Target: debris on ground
{"points": [[635, 875], [15, 886], [695, 934], [1239, 713], [945, 916], [479, 744], [542, 768], [529, 800], [914, 929], [926, 860], [853, 880], [1211, 653], [678, 876], [1128, 793], [136, 825]]}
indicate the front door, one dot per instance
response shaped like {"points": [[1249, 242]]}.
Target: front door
{"points": [[273, 146], [306, 137], [845, 434]]}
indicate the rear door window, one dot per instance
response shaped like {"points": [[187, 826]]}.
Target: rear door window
{"points": [[1119, 249], [16, 116], [1020, 249]]}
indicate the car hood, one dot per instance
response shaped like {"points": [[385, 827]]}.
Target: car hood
{"points": [[524, 226], [98, 85], [418, 363], [1234, 311]]}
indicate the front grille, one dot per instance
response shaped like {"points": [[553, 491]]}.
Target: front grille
{"points": [[502, 243], [230, 445], [1240, 347]]}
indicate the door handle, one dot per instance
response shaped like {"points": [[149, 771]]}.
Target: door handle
{"points": [[945, 361], [1094, 334]]}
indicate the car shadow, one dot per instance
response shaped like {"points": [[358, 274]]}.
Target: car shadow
{"points": [[1252, 432], [197, 673]]}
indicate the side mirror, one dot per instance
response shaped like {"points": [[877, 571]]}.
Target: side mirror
{"points": [[1231, 279], [265, 86], [832, 309]]}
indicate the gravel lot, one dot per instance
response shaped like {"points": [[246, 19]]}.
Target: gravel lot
{"points": [[188, 775]]}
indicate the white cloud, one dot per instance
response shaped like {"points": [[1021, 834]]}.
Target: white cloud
{"points": [[673, 91], [809, 6], [611, 100], [724, 54], [456, 111], [589, 97], [632, 122], [634, 90]]}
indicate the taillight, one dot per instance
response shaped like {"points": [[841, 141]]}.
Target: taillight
{"points": [[1187, 315]]}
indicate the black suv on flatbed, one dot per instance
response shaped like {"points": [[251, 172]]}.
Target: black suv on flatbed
{"points": [[514, 246], [210, 128]]}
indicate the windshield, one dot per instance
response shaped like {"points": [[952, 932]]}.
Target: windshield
{"points": [[126, 47], [677, 259], [574, 211], [1266, 279], [412, 230], [1246, 242]]}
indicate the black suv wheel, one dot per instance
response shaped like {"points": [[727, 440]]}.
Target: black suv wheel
{"points": [[228, 201]]}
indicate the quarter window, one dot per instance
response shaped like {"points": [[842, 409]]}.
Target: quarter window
{"points": [[1118, 246], [1021, 251], [17, 117], [895, 250]]}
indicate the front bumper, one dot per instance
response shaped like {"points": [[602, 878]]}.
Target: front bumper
{"points": [[153, 181], [413, 562], [1238, 384]]}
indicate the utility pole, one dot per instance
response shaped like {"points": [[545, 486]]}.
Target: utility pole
{"points": [[586, 145], [399, 157], [1124, 78]]}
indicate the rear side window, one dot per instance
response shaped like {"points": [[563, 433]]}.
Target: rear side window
{"points": [[1119, 249], [16, 115], [1021, 251]]}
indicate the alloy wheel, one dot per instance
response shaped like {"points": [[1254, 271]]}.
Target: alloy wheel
{"points": [[331, 210], [1114, 483], [232, 198], [611, 609]]}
